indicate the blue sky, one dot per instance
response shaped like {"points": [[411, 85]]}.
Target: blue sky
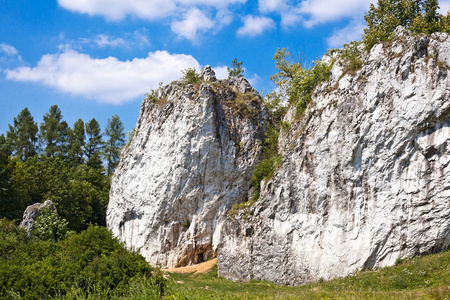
{"points": [[97, 58]]}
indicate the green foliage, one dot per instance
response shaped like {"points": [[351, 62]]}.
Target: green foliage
{"points": [[295, 83], [79, 193], [419, 16], [11, 236], [49, 227], [69, 172], [236, 70], [77, 143], [190, 76], [152, 96], [94, 145], [305, 83], [89, 261], [289, 68], [51, 131], [263, 171], [114, 143], [351, 57], [23, 135]]}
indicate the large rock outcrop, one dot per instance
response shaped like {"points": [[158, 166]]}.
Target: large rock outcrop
{"points": [[365, 177], [189, 162]]}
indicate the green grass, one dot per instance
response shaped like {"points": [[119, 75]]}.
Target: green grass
{"points": [[419, 278]]}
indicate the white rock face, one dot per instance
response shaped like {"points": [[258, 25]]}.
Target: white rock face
{"points": [[189, 162], [365, 177]]}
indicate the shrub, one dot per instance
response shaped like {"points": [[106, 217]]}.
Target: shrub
{"points": [[351, 56], [49, 227], [190, 75], [263, 171], [38, 269]]}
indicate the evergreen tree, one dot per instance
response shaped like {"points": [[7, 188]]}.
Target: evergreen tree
{"points": [[237, 70], [50, 131], [8, 205], [94, 145], [114, 144], [65, 135], [77, 143], [23, 135]]}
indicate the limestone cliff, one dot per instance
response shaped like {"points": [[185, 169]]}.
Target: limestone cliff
{"points": [[365, 177], [190, 160]]}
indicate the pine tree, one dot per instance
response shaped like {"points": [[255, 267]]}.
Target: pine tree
{"points": [[114, 144], [23, 135], [237, 70], [50, 131], [94, 145], [63, 146], [77, 143]]}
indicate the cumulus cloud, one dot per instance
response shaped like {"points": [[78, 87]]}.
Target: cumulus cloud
{"points": [[143, 9], [347, 34], [107, 80], [254, 26], [194, 22]]}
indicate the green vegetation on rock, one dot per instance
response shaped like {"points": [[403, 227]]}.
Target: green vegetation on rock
{"points": [[419, 16], [236, 70]]}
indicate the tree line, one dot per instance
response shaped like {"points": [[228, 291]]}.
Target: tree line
{"points": [[71, 166]]}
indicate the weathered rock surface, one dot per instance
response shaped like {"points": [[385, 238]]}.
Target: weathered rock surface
{"points": [[32, 213], [365, 177], [189, 162]]}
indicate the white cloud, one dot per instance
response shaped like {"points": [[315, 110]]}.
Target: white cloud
{"points": [[313, 12], [143, 9], [221, 72], [8, 50], [266, 6], [253, 80], [254, 26], [347, 34], [103, 40], [320, 11], [137, 38], [9, 56], [107, 80], [194, 22]]}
